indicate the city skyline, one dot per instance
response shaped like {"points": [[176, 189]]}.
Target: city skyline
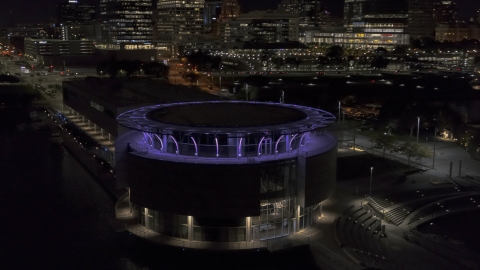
{"points": [[32, 11]]}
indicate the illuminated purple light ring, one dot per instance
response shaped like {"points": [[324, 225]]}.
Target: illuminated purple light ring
{"points": [[176, 144], [260, 144], [240, 147], [160, 141], [290, 143], [195, 143], [276, 144]]}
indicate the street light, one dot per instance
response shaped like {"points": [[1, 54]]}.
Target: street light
{"points": [[418, 128], [339, 106], [434, 139], [371, 174]]}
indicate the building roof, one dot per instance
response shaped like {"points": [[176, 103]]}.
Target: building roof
{"points": [[218, 117], [124, 92], [226, 115]]}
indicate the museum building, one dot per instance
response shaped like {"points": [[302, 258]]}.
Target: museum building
{"points": [[226, 171]]}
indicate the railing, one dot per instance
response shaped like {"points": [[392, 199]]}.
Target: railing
{"points": [[144, 151], [366, 206], [442, 213], [120, 201]]}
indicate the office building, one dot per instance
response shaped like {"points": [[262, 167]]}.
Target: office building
{"points": [[211, 15], [179, 21], [421, 21], [457, 33], [308, 10], [261, 26], [445, 12], [375, 23], [230, 9], [74, 12], [126, 20]]}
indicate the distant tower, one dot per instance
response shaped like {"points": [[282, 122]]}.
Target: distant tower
{"points": [[445, 12], [179, 20], [211, 14], [230, 9], [376, 23], [308, 11], [73, 12], [420, 18], [126, 20]]}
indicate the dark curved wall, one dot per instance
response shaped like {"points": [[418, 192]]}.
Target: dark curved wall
{"points": [[225, 191], [317, 177], [205, 190]]}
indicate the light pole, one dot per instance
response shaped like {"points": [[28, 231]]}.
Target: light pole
{"points": [[418, 128], [434, 139], [371, 174], [339, 106], [430, 225]]}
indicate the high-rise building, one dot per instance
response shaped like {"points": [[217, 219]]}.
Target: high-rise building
{"points": [[445, 12], [420, 18], [261, 26], [73, 12], [179, 20], [126, 21], [230, 9], [211, 14], [308, 10], [375, 23]]}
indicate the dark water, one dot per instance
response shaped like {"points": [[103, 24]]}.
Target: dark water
{"points": [[54, 216]]}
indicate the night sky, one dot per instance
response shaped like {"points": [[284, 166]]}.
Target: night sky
{"points": [[31, 11]]}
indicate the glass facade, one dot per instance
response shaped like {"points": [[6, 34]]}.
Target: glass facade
{"points": [[277, 219], [126, 20]]}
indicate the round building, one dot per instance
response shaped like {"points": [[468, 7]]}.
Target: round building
{"points": [[226, 171]]}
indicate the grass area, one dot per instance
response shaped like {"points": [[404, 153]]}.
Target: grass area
{"points": [[358, 166]]}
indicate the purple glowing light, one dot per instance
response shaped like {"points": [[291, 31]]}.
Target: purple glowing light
{"points": [[276, 144], [196, 148], [290, 144], [176, 144], [260, 144], [240, 148], [161, 142]]}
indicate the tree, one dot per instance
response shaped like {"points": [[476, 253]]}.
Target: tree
{"points": [[392, 124], [291, 61], [335, 51], [192, 77], [322, 62], [379, 63], [156, 69], [411, 150], [383, 142], [102, 67], [380, 51], [266, 56], [278, 62]]}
